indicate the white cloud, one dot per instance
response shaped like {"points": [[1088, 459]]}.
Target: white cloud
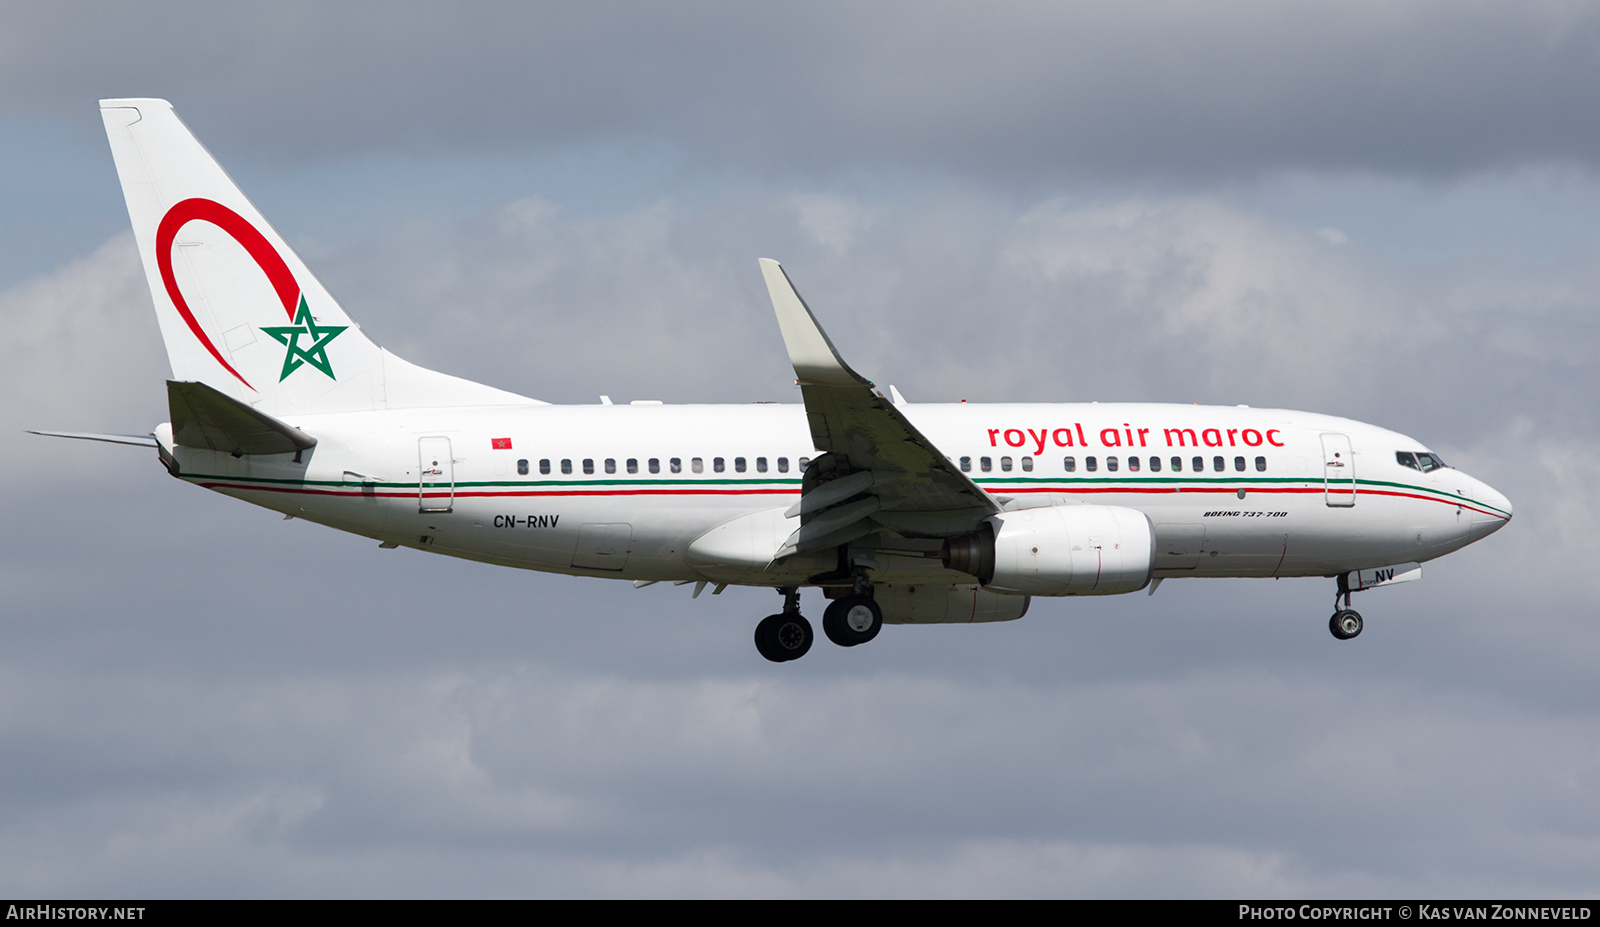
{"points": [[85, 354]]}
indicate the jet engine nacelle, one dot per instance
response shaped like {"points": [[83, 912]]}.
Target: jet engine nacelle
{"points": [[1059, 550]]}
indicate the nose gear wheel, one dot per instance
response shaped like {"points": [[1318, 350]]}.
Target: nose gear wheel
{"points": [[1345, 624]]}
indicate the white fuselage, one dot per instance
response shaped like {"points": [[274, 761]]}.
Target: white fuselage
{"points": [[1229, 491]]}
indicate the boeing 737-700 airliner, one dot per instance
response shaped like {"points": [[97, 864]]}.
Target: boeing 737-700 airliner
{"points": [[897, 512]]}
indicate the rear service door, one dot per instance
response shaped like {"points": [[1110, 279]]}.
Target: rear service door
{"points": [[436, 476]]}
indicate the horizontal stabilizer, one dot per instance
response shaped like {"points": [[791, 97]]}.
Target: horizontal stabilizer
{"points": [[209, 418], [135, 440]]}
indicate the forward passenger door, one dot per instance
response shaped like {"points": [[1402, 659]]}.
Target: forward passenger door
{"points": [[1338, 471]]}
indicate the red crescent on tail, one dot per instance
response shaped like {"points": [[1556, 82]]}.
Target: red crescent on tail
{"points": [[255, 243]]}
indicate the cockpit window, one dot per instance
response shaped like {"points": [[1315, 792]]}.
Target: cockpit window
{"points": [[1421, 460]]}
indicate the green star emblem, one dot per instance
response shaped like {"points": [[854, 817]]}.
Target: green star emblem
{"points": [[316, 353]]}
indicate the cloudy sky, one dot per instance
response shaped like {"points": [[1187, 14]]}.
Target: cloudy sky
{"points": [[1389, 211]]}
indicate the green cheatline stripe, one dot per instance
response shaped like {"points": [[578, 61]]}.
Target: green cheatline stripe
{"points": [[1132, 482], [991, 483], [1142, 480], [1435, 492], [568, 484]]}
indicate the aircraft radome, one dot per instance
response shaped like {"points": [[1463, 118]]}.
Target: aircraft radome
{"points": [[897, 512]]}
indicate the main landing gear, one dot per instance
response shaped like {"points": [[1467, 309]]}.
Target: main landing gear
{"points": [[1346, 622], [854, 619], [787, 635]]}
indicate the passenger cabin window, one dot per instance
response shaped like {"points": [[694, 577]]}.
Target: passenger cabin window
{"points": [[985, 464], [655, 465], [566, 465], [611, 464], [1199, 464], [1069, 464], [761, 464], [738, 464], [1027, 465], [803, 463], [588, 465], [675, 465], [1111, 464], [1238, 464], [783, 465], [718, 465], [1218, 464], [966, 465], [1090, 464], [1133, 464], [1261, 464], [633, 465], [1005, 464], [544, 466], [1155, 465], [697, 465], [1177, 465], [522, 467]]}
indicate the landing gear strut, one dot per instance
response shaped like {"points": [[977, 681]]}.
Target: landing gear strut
{"points": [[786, 635], [1346, 622]]}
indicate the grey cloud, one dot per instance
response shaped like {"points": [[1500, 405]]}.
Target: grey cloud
{"points": [[197, 697], [1177, 299], [1018, 96]]}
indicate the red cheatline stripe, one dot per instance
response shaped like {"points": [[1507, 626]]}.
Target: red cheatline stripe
{"points": [[411, 494], [1231, 490], [1148, 490], [1461, 502]]}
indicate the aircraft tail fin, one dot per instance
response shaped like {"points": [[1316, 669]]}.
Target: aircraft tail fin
{"points": [[239, 311]]}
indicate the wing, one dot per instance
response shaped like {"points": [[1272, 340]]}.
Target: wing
{"points": [[879, 471]]}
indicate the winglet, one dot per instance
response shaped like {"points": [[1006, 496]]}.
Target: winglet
{"points": [[816, 361]]}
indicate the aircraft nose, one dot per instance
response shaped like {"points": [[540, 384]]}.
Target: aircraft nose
{"points": [[1491, 512]]}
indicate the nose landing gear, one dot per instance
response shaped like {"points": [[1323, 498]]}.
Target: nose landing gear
{"points": [[1346, 622]]}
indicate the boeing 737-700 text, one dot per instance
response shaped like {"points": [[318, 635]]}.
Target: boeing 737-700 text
{"points": [[899, 513]]}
